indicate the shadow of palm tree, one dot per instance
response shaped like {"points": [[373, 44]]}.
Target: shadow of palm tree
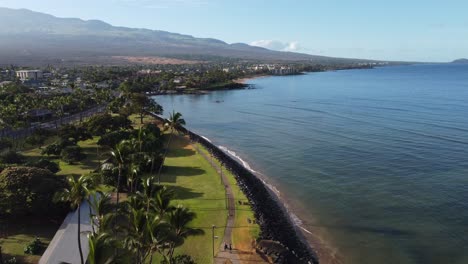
{"points": [[170, 173], [182, 193], [175, 153]]}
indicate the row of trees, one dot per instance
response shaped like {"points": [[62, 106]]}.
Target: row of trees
{"points": [[18, 103], [133, 231], [147, 223]]}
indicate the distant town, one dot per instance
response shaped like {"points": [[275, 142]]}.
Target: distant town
{"points": [[160, 78]]}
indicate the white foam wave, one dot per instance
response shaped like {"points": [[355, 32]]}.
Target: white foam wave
{"points": [[234, 154], [294, 218], [207, 139]]}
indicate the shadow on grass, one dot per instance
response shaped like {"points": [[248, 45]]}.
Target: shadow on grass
{"points": [[36, 226], [182, 193], [170, 173], [176, 153]]}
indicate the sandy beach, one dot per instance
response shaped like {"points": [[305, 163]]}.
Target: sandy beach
{"points": [[246, 79]]}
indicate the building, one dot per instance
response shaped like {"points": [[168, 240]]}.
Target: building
{"points": [[29, 75]]}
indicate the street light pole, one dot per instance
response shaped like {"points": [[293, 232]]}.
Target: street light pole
{"points": [[221, 167], [213, 238]]}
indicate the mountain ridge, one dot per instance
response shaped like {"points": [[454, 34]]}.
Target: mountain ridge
{"points": [[462, 60], [33, 36]]}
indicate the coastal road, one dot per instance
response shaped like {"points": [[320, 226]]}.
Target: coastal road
{"points": [[22, 133]]}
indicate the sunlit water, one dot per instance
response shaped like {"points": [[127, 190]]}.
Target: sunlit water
{"points": [[376, 160]]}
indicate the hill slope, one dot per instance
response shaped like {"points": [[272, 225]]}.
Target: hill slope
{"points": [[460, 61], [27, 36]]}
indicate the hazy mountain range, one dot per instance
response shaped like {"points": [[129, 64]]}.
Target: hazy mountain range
{"points": [[28, 37], [460, 61]]}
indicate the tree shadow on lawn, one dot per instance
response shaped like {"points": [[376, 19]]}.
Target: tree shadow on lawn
{"points": [[183, 193], [176, 153], [30, 225], [170, 173]]}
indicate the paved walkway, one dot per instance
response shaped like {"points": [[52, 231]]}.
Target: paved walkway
{"points": [[64, 246], [224, 256]]}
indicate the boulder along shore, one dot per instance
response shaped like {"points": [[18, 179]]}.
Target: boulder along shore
{"points": [[271, 215]]}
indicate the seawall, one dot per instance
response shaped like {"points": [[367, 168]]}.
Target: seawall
{"points": [[272, 216]]}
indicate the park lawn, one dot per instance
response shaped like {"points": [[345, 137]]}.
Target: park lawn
{"points": [[19, 235], [87, 165], [197, 186], [244, 233], [136, 122]]}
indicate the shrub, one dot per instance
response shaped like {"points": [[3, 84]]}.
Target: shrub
{"points": [[113, 138], [28, 190], [72, 154], [12, 260], [12, 157], [74, 134], [47, 164], [101, 124], [52, 150], [38, 137], [34, 248]]}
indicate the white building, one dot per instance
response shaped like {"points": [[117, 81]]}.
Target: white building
{"points": [[29, 75]]}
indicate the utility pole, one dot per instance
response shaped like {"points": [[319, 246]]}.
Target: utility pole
{"points": [[213, 238], [221, 168]]}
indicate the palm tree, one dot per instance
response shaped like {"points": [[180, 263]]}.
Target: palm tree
{"points": [[121, 154], [76, 193], [100, 203], [174, 122], [146, 232], [101, 248], [178, 219], [162, 200]]}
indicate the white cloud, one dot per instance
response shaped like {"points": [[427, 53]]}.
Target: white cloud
{"points": [[277, 45]]}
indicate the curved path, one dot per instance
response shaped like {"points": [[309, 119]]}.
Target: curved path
{"points": [[225, 255]]}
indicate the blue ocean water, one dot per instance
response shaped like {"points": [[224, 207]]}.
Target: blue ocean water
{"points": [[374, 162]]}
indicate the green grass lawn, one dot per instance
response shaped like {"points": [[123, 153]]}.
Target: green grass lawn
{"points": [[244, 232], [18, 235], [87, 165], [197, 186]]}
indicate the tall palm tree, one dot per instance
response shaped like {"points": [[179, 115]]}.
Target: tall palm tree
{"points": [[178, 219], [76, 193], [162, 200], [121, 155], [146, 232], [174, 123]]}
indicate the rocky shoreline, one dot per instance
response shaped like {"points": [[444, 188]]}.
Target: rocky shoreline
{"points": [[274, 221]]}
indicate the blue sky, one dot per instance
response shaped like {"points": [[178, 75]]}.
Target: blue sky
{"points": [[411, 30]]}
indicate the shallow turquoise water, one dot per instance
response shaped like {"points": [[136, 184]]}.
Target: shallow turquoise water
{"points": [[377, 160]]}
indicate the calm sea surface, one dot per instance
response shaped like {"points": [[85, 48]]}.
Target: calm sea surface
{"points": [[373, 161]]}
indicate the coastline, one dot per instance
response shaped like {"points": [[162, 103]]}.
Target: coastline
{"points": [[318, 241], [246, 79], [275, 220]]}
